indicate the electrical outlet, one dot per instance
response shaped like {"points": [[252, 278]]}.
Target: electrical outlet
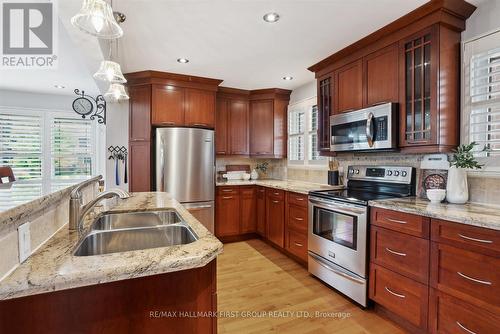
{"points": [[24, 241]]}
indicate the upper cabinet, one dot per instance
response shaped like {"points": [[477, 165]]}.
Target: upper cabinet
{"points": [[348, 87], [159, 99], [381, 76], [415, 62], [252, 123]]}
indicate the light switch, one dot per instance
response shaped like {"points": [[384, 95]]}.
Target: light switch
{"points": [[24, 241]]}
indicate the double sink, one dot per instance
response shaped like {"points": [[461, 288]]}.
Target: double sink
{"points": [[129, 231]]}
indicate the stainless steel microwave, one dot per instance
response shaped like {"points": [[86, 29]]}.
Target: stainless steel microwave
{"points": [[373, 128]]}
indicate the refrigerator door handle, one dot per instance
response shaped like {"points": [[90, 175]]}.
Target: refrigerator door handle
{"points": [[162, 166]]}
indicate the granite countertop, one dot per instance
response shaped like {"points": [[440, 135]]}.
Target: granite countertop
{"points": [[53, 267], [288, 185], [476, 214]]}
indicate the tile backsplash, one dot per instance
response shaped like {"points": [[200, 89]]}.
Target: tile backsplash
{"points": [[481, 189]]}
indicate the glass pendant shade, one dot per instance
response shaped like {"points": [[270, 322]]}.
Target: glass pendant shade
{"points": [[96, 18], [116, 92], [110, 71]]}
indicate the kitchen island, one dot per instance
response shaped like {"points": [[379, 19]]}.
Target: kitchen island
{"points": [[117, 292]]}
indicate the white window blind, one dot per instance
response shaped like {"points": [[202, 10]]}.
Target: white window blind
{"points": [[303, 134], [72, 149], [481, 94], [47, 151]]}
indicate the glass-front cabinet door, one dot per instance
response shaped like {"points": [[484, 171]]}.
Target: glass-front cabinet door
{"points": [[418, 102], [324, 110]]}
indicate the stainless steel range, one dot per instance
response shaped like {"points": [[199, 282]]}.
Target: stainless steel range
{"points": [[338, 225]]}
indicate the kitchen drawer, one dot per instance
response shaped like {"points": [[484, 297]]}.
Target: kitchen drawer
{"points": [[473, 238], [401, 222], [402, 253], [276, 194], [297, 244], [470, 276], [449, 315], [297, 218], [226, 190], [297, 199], [401, 295]]}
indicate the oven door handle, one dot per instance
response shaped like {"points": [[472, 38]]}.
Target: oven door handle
{"points": [[342, 208], [339, 272]]}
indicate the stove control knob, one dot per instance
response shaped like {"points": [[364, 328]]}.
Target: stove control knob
{"points": [[404, 173], [389, 173], [356, 171], [396, 173]]}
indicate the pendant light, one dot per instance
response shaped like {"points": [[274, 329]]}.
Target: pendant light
{"points": [[109, 70], [96, 18], [116, 92]]}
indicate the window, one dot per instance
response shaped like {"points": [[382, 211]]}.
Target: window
{"points": [[303, 134], [47, 151], [481, 97]]}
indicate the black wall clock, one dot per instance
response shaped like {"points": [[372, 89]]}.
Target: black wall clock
{"points": [[87, 106]]}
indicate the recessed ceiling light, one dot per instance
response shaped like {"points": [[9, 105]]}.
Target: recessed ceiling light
{"points": [[59, 86], [271, 17], [288, 78], [182, 60]]}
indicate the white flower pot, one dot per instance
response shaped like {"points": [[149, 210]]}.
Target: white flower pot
{"points": [[457, 190], [254, 175]]}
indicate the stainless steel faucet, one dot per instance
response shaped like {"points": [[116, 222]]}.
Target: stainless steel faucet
{"points": [[122, 194], [75, 202]]}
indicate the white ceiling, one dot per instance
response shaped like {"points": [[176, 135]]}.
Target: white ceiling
{"points": [[227, 39]]}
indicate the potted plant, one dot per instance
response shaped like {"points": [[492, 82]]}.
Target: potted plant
{"points": [[457, 190]]}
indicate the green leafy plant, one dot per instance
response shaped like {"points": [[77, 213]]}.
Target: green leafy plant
{"points": [[463, 157], [263, 166]]}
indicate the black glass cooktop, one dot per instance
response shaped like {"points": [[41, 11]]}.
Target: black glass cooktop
{"points": [[353, 196]]}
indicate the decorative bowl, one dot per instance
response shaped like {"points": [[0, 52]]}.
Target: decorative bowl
{"points": [[436, 195]]}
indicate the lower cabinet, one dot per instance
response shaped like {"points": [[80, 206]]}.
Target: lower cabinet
{"points": [[275, 217], [433, 275], [278, 216], [261, 212]]}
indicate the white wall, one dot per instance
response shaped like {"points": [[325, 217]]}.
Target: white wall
{"points": [[485, 19], [116, 135], [303, 92]]}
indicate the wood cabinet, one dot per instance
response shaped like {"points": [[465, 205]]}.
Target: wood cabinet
{"points": [[296, 225], [348, 87], [381, 76], [248, 215], [252, 122], [261, 212], [275, 208], [160, 99], [262, 127], [199, 108], [238, 127], [456, 265], [325, 109], [168, 105], [227, 213], [414, 61]]}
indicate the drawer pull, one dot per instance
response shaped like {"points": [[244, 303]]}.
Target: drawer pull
{"points": [[393, 293], [276, 201], [394, 252], [299, 199], [200, 124], [298, 244], [227, 190], [465, 329], [473, 279], [299, 219], [276, 194], [227, 197], [474, 239], [397, 221]]}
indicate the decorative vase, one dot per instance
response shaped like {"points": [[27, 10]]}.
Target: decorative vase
{"points": [[457, 190], [254, 175]]}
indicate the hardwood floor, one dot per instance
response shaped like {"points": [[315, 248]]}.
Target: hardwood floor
{"points": [[254, 277]]}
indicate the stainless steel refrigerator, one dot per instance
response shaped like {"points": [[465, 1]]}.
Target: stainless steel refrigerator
{"points": [[185, 168]]}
